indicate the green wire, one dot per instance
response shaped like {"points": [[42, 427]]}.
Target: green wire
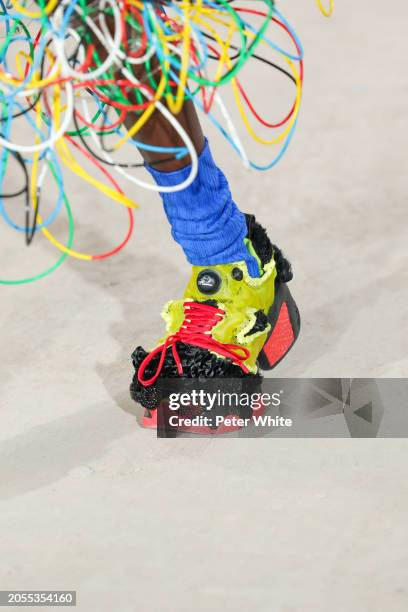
{"points": [[114, 92], [31, 279]]}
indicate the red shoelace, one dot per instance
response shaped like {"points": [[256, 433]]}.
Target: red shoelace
{"points": [[199, 319]]}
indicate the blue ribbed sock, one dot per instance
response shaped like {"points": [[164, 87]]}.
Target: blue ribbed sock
{"points": [[204, 219]]}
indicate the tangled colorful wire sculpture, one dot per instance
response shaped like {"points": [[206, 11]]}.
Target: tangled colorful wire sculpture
{"points": [[70, 76]]}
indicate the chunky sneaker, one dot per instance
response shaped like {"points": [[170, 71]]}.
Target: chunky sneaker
{"points": [[228, 325]]}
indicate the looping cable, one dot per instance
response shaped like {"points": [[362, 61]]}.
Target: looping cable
{"points": [[84, 68], [327, 12]]}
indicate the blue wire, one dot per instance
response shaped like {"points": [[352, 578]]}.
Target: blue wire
{"points": [[296, 58], [174, 63], [43, 154], [5, 17], [57, 208], [140, 145], [172, 60]]}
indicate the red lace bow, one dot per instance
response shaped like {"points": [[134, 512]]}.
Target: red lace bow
{"points": [[199, 319]]}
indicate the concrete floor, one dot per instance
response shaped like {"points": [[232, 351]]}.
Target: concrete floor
{"points": [[91, 502]]}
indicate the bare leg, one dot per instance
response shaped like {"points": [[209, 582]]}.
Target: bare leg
{"points": [[159, 132]]}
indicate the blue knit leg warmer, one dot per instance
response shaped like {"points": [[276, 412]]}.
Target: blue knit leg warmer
{"points": [[205, 220]]}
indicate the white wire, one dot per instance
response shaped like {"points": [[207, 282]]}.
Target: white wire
{"points": [[109, 42], [115, 56], [46, 144], [176, 125], [109, 61]]}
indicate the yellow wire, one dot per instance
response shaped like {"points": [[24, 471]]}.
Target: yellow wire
{"points": [[70, 162], [193, 13], [224, 58], [225, 46], [32, 85], [327, 12], [244, 117], [176, 105], [52, 4], [146, 115], [33, 190]]}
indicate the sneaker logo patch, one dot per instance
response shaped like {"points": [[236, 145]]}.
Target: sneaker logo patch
{"points": [[208, 282]]}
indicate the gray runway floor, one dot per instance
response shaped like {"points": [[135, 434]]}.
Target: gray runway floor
{"points": [[89, 501]]}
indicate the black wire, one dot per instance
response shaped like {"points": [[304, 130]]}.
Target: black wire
{"points": [[118, 164], [30, 228], [255, 56], [32, 105], [103, 134], [29, 231], [25, 110]]}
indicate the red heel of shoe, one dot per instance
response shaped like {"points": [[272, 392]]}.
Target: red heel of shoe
{"points": [[150, 419], [285, 327]]}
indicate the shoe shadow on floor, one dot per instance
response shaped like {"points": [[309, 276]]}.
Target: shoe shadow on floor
{"points": [[141, 285], [46, 453]]}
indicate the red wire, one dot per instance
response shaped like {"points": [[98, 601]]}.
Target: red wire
{"points": [[143, 42], [120, 105], [208, 106], [208, 100], [118, 189]]}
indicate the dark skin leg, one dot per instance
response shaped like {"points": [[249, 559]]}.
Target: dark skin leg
{"points": [[160, 133]]}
